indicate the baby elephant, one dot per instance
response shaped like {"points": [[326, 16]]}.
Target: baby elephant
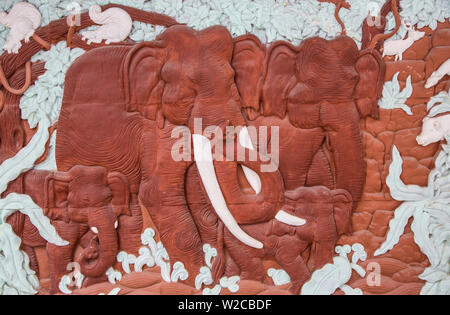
{"points": [[298, 250], [434, 130], [84, 205]]}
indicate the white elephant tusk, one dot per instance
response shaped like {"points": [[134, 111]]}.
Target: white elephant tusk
{"points": [[252, 177], [289, 219], [116, 224], [94, 230], [245, 140], [205, 166]]}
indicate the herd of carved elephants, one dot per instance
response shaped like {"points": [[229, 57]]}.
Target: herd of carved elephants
{"points": [[114, 153]]}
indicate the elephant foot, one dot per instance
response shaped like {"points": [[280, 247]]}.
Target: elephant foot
{"points": [[181, 239], [296, 286]]}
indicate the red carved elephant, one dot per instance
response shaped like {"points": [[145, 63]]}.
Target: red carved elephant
{"points": [[87, 206], [125, 125], [316, 93], [299, 250]]}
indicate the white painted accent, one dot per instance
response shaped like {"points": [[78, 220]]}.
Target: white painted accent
{"points": [[145, 259], [24, 160], [126, 260], [49, 164], [434, 130], [252, 177], [203, 158], [437, 75], [23, 19], [230, 283], [398, 46], [179, 272], [116, 224], [429, 206], [245, 140], [204, 277], [64, 283], [279, 276], [23, 203], [16, 277], [214, 291], [210, 253], [113, 275], [158, 253], [393, 97], [94, 230], [116, 25], [329, 278], [114, 291], [289, 219]]}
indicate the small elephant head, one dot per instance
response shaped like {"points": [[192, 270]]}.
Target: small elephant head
{"points": [[183, 75], [316, 203], [90, 196]]}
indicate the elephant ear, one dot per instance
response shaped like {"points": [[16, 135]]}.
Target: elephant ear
{"points": [[248, 64], [371, 69], [342, 202], [279, 78], [142, 81], [118, 184], [56, 191]]}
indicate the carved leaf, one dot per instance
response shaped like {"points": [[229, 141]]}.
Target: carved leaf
{"points": [[400, 191], [393, 97], [443, 101], [397, 226], [420, 227], [328, 279]]}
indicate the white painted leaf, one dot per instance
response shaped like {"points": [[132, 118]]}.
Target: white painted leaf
{"points": [[396, 227], [400, 191], [422, 236]]}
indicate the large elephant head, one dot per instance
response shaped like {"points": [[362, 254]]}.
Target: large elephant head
{"points": [[183, 75], [328, 84], [90, 196]]}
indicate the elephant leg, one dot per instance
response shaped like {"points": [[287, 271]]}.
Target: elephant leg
{"points": [[130, 228], [342, 125], [288, 255], [177, 230], [320, 172], [60, 257], [323, 253], [162, 193], [249, 260], [34, 265]]}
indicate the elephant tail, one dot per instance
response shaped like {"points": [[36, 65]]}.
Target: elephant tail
{"points": [[218, 267]]}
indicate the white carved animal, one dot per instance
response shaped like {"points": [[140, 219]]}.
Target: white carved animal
{"points": [[399, 46], [437, 75], [116, 25], [434, 130], [23, 19]]}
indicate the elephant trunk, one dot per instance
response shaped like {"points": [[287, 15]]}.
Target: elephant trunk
{"points": [[345, 141], [204, 161], [101, 253]]}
